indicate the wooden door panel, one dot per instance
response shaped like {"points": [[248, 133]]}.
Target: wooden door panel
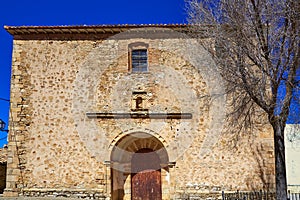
{"points": [[146, 185], [146, 176]]}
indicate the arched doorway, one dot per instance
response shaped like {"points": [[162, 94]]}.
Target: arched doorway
{"points": [[138, 162]]}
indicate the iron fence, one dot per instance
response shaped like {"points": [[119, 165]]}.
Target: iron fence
{"points": [[252, 195], [293, 196], [256, 195], [238, 195]]}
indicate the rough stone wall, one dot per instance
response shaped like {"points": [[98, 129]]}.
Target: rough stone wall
{"points": [[54, 147], [3, 154]]}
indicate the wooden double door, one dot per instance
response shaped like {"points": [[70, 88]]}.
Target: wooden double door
{"points": [[146, 175]]}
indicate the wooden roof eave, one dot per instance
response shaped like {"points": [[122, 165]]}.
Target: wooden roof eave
{"points": [[15, 30], [83, 31]]}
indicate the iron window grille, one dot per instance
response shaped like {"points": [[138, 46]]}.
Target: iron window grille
{"points": [[139, 60]]}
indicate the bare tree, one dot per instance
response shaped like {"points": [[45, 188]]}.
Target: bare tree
{"points": [[256, 46]]}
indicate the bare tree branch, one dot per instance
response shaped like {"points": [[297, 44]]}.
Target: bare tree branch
{"points": [[257, 48]]}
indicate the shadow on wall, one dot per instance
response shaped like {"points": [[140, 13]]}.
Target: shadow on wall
{"points": [[265, 168], [2, 177], [3, 163]]}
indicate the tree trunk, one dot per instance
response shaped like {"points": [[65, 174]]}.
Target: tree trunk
{"points": [[280, 166]]}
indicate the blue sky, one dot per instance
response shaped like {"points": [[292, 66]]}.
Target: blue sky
{"points": [[89, 12]]}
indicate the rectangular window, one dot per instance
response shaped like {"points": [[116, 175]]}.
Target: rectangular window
{"points": [[139, 60]]}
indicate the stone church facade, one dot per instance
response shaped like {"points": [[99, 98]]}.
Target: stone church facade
{"points": [[124, 112]]}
